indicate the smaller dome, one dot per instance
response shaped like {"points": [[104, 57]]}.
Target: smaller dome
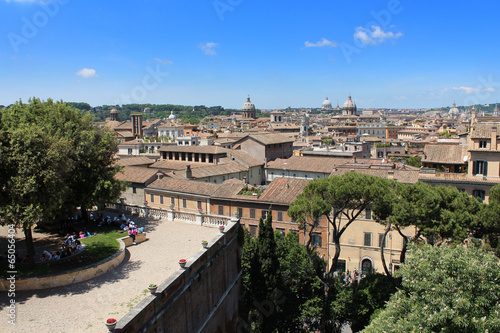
{"points": [[147, 110], [248, 106], [326, 104], [454, 109], [113, 111], [172, 115], [349, 104]]}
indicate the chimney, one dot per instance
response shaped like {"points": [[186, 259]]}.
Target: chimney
{"points": [[189, 173], [390, 174], [493, 138]]}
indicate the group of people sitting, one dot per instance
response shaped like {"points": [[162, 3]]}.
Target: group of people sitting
{"points": [[71, 245]]}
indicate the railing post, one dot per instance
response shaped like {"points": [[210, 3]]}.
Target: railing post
{"points": [[199, 218], [170, 215]]}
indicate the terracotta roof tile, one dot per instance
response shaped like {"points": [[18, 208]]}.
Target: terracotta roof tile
{"points": [[185, 186], [136, 174], [444, 153], [283, 190]]}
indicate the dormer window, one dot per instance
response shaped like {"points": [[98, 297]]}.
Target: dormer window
{"points": [[482, 144]]}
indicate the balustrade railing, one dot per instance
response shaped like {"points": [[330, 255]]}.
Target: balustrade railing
{"points": [[164, 214]]}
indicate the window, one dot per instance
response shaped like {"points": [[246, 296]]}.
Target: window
{"points": [[252, 213], [198, 204], [460, 189], [253, 230], [172, 200], [482, 144], [316, 239], [264, 214], [221, 210], [240, 212], [280, 216], [152, 197], [381, 239], [479, 194], [294, 175], [134, 190], [281, 231], [367, 239], [272, 175], [305, 176], [380, 154], [161, 199], [480, 167], [368, 213], [184, 203]]}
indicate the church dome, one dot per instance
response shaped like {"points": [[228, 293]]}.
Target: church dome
{"points": [[349, 104], [114, 111], [326, 104], [454, 109], [248, 106], [172, 115]]}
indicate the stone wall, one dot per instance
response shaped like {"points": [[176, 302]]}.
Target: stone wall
{"points": [[202, 297]]}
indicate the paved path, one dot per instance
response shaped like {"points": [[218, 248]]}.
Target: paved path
{"points": [[84, 307]]}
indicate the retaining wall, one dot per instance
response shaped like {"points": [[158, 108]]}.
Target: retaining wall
{"points": [[203, 297]]}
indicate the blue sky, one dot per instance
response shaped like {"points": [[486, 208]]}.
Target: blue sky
{"points": [[395, 54]]}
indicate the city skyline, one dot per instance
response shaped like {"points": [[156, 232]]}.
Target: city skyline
{"points": [[388, 54]]}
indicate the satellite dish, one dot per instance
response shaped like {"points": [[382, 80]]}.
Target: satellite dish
{"points": [[465, 158]]}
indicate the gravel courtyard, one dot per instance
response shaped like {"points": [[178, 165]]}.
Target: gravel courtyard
{"points": [[84, 307]]}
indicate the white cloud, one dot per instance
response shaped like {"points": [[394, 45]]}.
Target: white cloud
{"points": [[323, 42], [208, 48], [490, 89], [163, 61], [467, 90], [86, 72], [375, 35]]}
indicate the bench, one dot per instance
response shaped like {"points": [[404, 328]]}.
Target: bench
{"points": [[139, 238]]}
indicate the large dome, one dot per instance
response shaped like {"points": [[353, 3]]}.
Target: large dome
{"points": [[349, 104], [454, 109], [326, 104], [248, 106], [172, 115]]}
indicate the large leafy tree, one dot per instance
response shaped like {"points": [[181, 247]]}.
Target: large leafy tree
{"points": [[47, 148], [445, 289], [340, 200], [437, 213]]}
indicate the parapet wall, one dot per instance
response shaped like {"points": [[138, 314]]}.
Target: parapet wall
{"points": [[203, 297]]}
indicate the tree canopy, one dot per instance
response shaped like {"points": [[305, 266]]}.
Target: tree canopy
{"points": [[53, 160], [444, 289]]}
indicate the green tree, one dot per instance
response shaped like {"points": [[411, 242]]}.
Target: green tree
{"points": [[445, 289], [438, 213], [53, 161], [339, 199], [262, 287], [301, 286]]}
